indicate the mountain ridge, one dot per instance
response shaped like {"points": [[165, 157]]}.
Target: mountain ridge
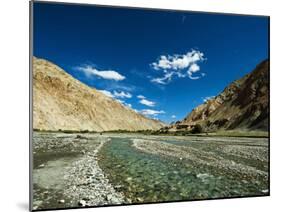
{"points": [[61, 102], [242, 105]]}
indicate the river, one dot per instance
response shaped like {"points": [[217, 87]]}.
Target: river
{"points": [[81, 170]]}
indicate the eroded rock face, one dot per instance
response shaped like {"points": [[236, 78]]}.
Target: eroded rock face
{"points": [[61, 102], [243, 104]]}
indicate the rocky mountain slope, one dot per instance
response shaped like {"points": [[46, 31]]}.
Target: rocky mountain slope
{"points": [[61, 102], [244, 104]]}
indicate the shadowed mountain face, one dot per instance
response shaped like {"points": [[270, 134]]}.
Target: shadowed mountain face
{"points": [[63, 103], [244, 104]]}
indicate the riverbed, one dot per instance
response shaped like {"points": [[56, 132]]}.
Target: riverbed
{"points": [[85, 170]]}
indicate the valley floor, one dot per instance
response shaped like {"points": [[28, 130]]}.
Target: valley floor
{"points": [[80, 170]]}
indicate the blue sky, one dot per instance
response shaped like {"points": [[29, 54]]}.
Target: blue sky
{"points": [[160, 63]]}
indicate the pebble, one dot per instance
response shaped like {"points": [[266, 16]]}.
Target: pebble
{"points": [[139, 199], [202, 176], [118, 186], [108, 197], [62, 201], [41, 166], [265, 191], [82, 203], [88, 185], [129, 178]]}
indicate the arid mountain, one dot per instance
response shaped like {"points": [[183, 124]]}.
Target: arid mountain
{"points": [[63, 103], [244, 104]]}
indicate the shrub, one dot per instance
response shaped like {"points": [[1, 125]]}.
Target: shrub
{"points": [[196, 129]]}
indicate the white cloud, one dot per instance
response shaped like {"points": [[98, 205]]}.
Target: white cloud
{"points": [[178, 61], [163, 80], [122, 94], [135, 110], [105, 74], [120, 101], [140, 96], [115, 85], [125, 104], [107, 93], [193, 68], [163, 63], [173, 116], [116, 94], [178, 65], [205, 99], [150, 112], [194, 78], [147, 102]]}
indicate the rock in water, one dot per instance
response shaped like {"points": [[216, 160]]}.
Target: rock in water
{"points": [[62, 201]]}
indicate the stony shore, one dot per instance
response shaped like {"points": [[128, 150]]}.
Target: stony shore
{"points": [[205, 158], [86, 183], [66, 172]]}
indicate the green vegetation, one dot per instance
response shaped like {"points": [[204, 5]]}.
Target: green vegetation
{"points": [[196, 130], [240, 133], [64, 131]]}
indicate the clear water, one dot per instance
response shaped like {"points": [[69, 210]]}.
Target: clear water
{"points": [[144, 177]]}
